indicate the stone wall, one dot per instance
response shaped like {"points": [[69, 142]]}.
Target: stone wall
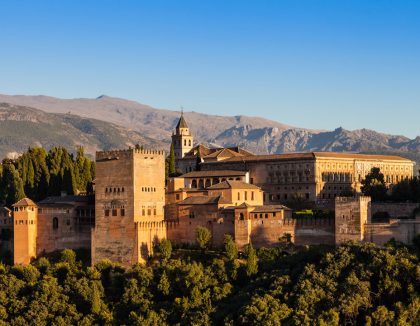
{"points": [[400, 230], [395, 210], [130, 188]]}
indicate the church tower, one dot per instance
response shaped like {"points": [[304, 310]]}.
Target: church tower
{"points": [[182, 139]]}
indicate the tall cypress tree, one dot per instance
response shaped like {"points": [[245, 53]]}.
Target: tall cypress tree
{"points": [[172, 161]]}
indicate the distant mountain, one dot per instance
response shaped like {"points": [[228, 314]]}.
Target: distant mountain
{"points": [[252, 133], [21, 127], [155, 123]]}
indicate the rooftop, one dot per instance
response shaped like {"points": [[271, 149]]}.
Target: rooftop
{"points": [[202, 200], [181, 123], [220, 173], [229, 184], [24, 202], [313, 156]]}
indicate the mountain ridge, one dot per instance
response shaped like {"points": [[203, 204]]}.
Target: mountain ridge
{"points": [[258, 135]]}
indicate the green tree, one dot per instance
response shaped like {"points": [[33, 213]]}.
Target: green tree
{"points": [[265, 311], [251, 260], [171, 167], [165, 249], [164, 285], [231, 249], [203, 237], [374, 185]]}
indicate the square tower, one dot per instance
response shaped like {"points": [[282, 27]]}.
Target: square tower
{"points": [[129, 198], [25, 217], [351, 216]]}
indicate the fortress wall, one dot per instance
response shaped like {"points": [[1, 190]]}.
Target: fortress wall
{"points": [[395, 210], [68, 235], [148, 235], [401, 230]]}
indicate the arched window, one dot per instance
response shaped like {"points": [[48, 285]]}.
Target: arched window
{"points": [[194, 184], [55, 223], [241, 216]]}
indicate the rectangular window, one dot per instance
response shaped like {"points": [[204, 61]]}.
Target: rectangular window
{"points": [[114, 212], [239, 195], [246, 195], [177, 196], [154, 212], [107, 212], [252, 195], [122, 212], [143, 212]]}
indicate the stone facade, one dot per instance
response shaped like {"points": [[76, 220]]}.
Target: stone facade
{"points": [[353, 223], [55, 223], [129, 202], [316, 177], [351, 216]]}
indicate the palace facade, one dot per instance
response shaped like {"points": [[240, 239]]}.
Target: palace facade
{"points": [[234, 192]]}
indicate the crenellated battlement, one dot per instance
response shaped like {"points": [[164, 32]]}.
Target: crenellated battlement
{"points": [[151, 224], [126, 153], [352, 199]]}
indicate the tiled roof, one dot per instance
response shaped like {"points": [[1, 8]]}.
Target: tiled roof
{"points": [[270, 208], [312, 156], [182, 123], [232, 184], [66, 199], [24, 202], [202, 200], [220, 173]]}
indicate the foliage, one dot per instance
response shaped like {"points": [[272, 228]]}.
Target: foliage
{"points": [[164, 248], [374, 185], [406, 190], [203, 237], [354, 284], [171, 161], [230, 248], [38, 174]]}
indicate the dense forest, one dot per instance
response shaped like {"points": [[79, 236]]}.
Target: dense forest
{"points": [[354, 284], [37, 174]]}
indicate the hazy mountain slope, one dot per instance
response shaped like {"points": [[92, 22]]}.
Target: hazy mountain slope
{"points": [[255, 134], [21, 127], [156, 123]]}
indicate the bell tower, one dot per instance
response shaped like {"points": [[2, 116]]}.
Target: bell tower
{"points": [[182, 139]]}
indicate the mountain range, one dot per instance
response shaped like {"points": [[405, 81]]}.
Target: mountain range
{"points": [[108, 122]]}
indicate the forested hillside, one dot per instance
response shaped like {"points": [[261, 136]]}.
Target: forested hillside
{"points": [[354, 284], [37, 174]]}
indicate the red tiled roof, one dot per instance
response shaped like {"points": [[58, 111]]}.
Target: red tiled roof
{"points": [[24, 202]]}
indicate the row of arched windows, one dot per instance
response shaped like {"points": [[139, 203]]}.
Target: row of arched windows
{"points": [[109, 190], [148, 189]]}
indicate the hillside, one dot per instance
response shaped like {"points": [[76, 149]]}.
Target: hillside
{"points": [[21, 127], [255, 134]]}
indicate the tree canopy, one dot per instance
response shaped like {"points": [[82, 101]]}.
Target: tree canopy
{"points": [[37, 174], [354, 284]]}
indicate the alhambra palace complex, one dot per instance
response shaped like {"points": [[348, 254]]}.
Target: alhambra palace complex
{"points": [[235, 192]]}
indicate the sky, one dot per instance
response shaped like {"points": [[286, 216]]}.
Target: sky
{"points": [[308, 63]]}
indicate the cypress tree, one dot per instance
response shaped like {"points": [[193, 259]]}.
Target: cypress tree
{"points": [[172, 161]]}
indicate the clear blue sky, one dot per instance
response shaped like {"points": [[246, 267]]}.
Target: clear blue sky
{"points": [[317, 64]]}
